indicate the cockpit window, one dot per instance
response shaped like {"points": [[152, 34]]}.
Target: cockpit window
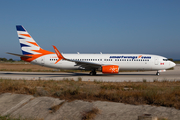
{"points": [[165, 59]]}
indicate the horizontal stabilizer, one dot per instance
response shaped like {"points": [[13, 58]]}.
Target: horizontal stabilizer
{"points": [[19, 55]]}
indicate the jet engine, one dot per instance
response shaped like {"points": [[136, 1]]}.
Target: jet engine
{"points": [[110, 69]]}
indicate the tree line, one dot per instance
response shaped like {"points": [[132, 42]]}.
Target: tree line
{"points": [[6, 60]]}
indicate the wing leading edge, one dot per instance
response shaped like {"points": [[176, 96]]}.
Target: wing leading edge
{"points": [[84, 64]]}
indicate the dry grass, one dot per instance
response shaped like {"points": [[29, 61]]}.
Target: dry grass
{"points": [[90, 115], [163, 119], [27, 67], [177, 62], [54, 108], [152, 93], [23, 67]]}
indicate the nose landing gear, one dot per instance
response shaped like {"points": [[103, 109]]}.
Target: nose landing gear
{"points": [[157, 73]]}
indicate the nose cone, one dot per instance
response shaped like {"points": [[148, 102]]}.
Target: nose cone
{"points": [[172, 64]]}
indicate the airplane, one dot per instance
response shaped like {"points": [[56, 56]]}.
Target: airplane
{"points": [[106, 63]]}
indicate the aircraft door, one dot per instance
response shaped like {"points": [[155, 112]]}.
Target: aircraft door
{"points": [[42, 61], [156, 61]]}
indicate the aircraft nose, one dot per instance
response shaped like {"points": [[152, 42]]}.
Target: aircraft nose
{"points": [[172, 64]]}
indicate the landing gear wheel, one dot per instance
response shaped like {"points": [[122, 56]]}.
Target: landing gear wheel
{"points": [[157, 73], [92, 73]]}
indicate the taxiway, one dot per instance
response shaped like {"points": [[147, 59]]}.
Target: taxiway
{"points": [[149, 76]]}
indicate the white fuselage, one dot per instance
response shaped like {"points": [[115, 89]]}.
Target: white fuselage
{"points": [[124, 61]]}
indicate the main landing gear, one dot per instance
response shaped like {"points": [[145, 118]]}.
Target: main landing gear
{"points": [[157, 73], [93, 72]]}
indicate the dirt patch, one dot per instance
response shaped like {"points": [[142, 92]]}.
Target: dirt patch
{"points": [[90, 115], [54, 108], [23, 67]]}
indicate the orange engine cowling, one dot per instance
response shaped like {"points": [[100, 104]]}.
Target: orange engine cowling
{"points": [[110, 69]]}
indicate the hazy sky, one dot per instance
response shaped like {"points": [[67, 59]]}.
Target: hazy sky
{"points": [[93, 26]]}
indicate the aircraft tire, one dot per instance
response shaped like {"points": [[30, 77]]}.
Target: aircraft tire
{"points": [[92, 73], [157, 73]]}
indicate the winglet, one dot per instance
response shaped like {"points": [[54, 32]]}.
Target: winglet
{"points": [[58, 54]]}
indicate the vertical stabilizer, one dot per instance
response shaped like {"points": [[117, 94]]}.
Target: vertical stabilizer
{"points": [[27, 43]]}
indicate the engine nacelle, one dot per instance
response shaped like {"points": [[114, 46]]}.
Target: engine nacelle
{"points": [[110, 69]]}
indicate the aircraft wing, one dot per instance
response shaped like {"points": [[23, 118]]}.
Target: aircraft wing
{"points": [[86, 65], [83, 64], [19, 55]]}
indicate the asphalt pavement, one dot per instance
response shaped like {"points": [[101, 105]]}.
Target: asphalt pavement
{"points": [[149, 76]]}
